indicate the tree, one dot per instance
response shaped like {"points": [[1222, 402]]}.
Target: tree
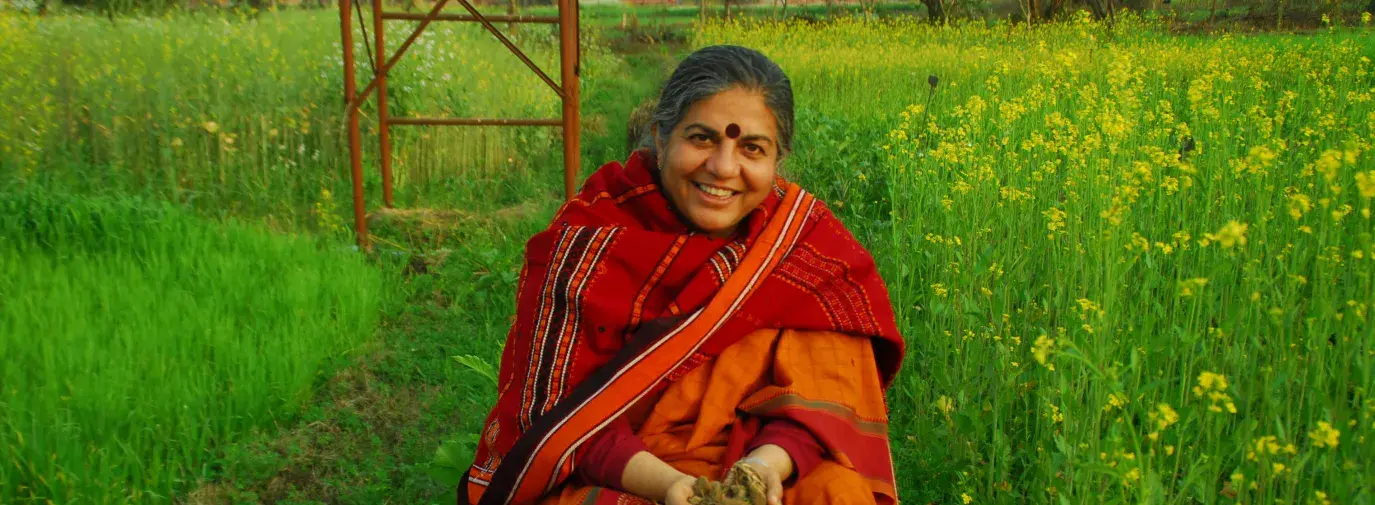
{"points": [[935, 10], [1141, 5], [868, 7], [1101, 9], [1050, 9], [1046, 10], [1030, 10]]}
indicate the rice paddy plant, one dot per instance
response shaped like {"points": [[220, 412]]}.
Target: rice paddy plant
{"points": [[1132, 267], [138, 339]]}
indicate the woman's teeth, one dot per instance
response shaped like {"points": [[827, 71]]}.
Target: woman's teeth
{"points": [[714, 191]]}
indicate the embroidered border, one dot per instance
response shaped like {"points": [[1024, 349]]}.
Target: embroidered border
{"points": [[783, 244], [724, 262], [637, 308], [563, 361], [545, 451], [554, 337], [808, 269]]}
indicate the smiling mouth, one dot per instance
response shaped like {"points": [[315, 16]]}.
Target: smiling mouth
{"points": [[714, 191]]}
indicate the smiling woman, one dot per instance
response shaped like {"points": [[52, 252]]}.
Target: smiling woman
{"points": [[714, 180], [690, 313]]}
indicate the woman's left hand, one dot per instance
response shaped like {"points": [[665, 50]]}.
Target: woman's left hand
{"points": [[773, 464], [773, 483]]}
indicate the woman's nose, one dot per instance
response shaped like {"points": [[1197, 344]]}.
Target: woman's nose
{"points": [[723, 162]]}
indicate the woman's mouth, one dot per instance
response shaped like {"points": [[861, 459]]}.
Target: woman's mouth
{"points": [[715, 192]]}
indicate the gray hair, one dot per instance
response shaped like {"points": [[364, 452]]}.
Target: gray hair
{"points": [[713, 69]]}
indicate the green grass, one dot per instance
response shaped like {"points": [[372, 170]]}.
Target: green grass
{"points": [[371, 434], [239, 117], [137, 338], [1043, 238]]}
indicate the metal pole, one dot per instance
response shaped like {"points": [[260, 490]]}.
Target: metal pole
{"points": [[360, 222], [568, 62], [495, 18], [380, 74], [486, 23], [357, 102], [445, 121]]}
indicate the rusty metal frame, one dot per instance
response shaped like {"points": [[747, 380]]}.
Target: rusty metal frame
{"points": [[566, 89]]}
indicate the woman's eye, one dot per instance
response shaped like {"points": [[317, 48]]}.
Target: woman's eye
{"points": [[699, 137], [754, 149]]}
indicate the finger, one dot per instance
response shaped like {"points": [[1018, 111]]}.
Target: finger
{"points": [[775, 489]]}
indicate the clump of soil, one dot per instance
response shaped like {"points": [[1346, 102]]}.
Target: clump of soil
{"points": [[743, 486]]}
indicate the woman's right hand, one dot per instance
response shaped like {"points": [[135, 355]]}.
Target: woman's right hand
{"points": [[680, 491], [649, 477]]}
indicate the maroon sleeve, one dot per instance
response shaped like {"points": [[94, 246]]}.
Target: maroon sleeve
{"points": [[795, 439], [607, 454]]}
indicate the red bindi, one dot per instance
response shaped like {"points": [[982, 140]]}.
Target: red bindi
{"points": [[733, 130]]}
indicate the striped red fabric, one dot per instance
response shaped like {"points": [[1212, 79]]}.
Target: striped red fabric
{"points": [[618, 296]]}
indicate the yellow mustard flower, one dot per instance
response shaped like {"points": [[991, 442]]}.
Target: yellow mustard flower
{"points": [[1231, 235], [1325, 435], [1164, 416], [1115, 400], [1190, 287], [1040, 349], [1365, 183], [1299, 205]]}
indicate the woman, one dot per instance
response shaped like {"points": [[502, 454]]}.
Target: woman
{"points": [[689, 311]]}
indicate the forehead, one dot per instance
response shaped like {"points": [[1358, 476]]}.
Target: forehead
{"points": [[735, 105]]}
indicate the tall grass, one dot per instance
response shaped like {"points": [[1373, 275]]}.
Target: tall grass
{"points": [[1131, 267], [163, 335], [138, 338], [239, 115]]}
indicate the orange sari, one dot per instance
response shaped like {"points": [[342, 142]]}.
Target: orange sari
{"points": [[622, 311], [814, 375]]}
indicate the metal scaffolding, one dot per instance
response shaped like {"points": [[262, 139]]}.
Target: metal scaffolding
{"points": [[566, 88]]}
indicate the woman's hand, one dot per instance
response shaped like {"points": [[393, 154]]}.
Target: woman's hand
{"points": [[650, 478], [680, 491], [773, 483], [773, 464]]}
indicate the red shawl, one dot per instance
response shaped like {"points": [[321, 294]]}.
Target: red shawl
{"points": [[618, 296]]}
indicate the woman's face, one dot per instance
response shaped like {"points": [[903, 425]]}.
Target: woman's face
{"points": [[720, 160]]}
